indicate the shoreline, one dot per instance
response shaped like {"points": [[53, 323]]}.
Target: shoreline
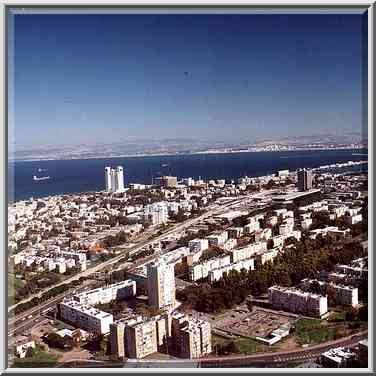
{"points": [[334, 166], [180, 154]]}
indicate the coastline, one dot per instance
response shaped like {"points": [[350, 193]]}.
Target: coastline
{"points": [[181, 154]]}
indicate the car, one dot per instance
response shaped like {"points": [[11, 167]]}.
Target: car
{"points": [[30, 316]]}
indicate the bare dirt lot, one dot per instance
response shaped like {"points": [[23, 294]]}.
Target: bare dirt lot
{"points": [[240, 321]]}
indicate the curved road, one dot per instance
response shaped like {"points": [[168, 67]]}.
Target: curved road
{"points": [[269, 359]]}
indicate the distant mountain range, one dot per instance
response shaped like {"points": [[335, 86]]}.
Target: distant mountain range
{"points": [[184, 146]]}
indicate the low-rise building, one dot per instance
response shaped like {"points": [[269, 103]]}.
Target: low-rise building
{"points": [[197, 245], [85, 316], [106, 294], [338, 357], [201, 270], [217, 273], [21, 348], [235, 232]]}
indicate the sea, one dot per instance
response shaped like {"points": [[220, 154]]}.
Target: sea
{"points": [[84, 175]]}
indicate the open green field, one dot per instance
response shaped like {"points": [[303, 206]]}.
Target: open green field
{"points": [[242, 345], [313, 331], [250, 346], [39, 359], [14, 284]]}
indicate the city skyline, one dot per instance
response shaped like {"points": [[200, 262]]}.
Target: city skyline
{"points": [[122, 77]]}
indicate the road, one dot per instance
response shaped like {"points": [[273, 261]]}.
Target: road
{"points": [[280, 358], [261, 360]]}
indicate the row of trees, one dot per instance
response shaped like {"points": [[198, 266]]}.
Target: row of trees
{"points": [[33, 283], [303, 260], [211, 252], [58, 342], [113, 241], [47, 295]]}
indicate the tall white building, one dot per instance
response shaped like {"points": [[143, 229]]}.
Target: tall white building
{"points": [[161, 284], [114, 179], [119, 179], [108, 179]]}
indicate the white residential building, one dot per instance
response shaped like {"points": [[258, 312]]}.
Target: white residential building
{"points": [[297, 301], [218, 239], [156, 213], [85, 316], [106, 294], [114, 179], [197, 245], [217, 273], [201, 269]]}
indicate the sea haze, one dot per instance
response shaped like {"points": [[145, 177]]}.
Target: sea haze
{"points": [[82, 175]]}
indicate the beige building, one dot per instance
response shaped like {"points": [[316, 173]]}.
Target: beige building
{"points": [[141, 338], [166, 181], [192, 337], [161, 284], [117, 339]]}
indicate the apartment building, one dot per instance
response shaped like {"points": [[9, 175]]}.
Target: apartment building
{"points": [[217, 273], [240, 253], [106, 294], [251, 227], [297, 301], [201, 269], [85, 316], [235, 232], [218, 239], [352, 271], [345, 295], [141, 338], [197, 245], [192, 336], [161, 284], [268, 255]]}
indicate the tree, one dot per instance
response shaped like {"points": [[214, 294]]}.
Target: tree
{"points": [[29, 352], [270, 244]]}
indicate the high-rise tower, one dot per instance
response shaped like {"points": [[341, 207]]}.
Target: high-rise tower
{"points": [[161, 284]]}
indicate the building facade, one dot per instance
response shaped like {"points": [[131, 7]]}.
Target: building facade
{"points": [[114, 179], [161, 284], [304, 180]]}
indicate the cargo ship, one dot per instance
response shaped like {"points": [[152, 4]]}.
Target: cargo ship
{"points": [[41, 178]]}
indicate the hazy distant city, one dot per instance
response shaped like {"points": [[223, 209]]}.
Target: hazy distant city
{"points": [[186, 146]]}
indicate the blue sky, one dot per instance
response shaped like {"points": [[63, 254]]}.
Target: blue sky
{"points": [[105, 78]]}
